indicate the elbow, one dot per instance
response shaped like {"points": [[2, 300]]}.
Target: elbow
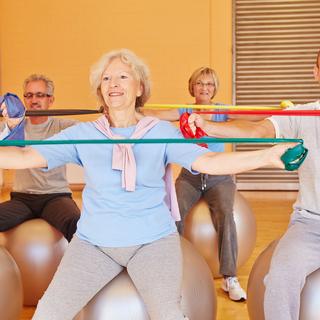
{"points": [[256, 134], [203, 164], [263, 129], [258, 131], [32, 159]]}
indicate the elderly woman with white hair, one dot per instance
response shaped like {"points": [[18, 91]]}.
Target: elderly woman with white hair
{"points": [[125, 221]]}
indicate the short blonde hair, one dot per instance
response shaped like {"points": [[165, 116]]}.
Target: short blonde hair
{"points": [[202, 72], [139, 68]]}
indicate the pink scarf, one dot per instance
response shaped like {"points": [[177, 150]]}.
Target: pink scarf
{"points": [[123, 159]]}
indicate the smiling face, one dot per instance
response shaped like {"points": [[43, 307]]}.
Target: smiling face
{"points": [[204, 89], [120, 86]]}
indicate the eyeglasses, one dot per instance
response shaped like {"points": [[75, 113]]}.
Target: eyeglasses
{"points": [[40, 95], [204, 84]]}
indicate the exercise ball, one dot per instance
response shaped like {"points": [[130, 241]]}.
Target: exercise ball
{"points": [[255, 288], [37, 248], [120, 300], [10, 288], [309, 298], [200, 231]]}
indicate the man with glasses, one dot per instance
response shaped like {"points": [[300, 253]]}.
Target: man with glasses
{"points": [[35, 193]]}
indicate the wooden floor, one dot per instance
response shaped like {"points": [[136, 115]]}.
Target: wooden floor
{"points": [[272, 210]]}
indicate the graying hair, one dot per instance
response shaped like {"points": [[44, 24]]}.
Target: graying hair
{"points": [[40, 77]]}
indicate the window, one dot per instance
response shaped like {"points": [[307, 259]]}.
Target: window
{"points": [[275, 47]]}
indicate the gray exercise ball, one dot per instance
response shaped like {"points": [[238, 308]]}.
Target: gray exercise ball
{"points": [[200, 231], [310, 298], [255, 288], [10, 287], [120, 300], [37, 248], [310, 295]]}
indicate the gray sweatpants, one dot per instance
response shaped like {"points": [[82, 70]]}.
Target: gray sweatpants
{"points": [[296, 256], [218, 192], [155, 269]]}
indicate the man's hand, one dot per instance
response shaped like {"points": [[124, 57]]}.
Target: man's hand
{"points": [[11, 122], [196, 121]]}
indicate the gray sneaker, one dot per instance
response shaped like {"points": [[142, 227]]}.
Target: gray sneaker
{"points": [[233, 287]]}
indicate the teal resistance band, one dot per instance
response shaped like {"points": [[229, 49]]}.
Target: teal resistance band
{"points": [[292, 158], [148, 141]]}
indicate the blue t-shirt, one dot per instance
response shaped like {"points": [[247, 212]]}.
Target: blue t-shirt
{"points": [[214, 147], [112, 216]]}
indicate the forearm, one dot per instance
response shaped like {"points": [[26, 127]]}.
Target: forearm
{"points": [[236, 162], [253, 117], [165, 114], [21, 158], [239, 129]]}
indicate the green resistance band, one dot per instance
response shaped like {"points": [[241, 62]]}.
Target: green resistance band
{"points": [[292, 158], [20, 143]]}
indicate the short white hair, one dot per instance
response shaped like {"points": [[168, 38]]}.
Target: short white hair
{"points": [[139, 68]]}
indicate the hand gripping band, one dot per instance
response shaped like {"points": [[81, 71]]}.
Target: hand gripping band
{"points": [[188, 133], [294, 157]]}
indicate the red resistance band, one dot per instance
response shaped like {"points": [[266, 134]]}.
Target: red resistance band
{"points": [[188, 133], [266, 112]]}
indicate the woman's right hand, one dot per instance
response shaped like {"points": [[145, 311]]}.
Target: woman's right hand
{"points": [[274, 154]]}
